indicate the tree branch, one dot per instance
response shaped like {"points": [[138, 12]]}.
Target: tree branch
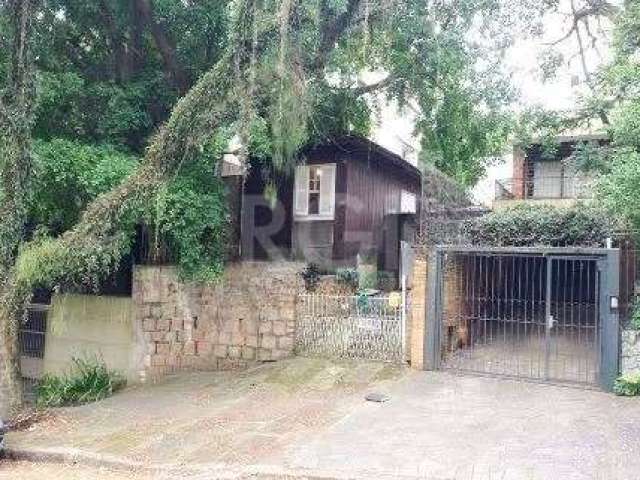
{"points": [[373, 87], [331, 31], [598, 8], [176, 74]]}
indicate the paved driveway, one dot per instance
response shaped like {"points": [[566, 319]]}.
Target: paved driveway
{"points": [[309, 417]]}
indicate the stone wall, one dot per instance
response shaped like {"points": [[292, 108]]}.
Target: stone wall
{"points": [[630, 352], [248, 316]]}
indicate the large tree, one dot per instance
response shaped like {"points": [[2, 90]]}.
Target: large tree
{"points": [[16, 119], [288, 76], [620, 90]]}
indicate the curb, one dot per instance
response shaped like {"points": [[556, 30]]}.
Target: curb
{"points": [[221, 471]]}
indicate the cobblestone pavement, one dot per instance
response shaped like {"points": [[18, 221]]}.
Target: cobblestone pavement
{"points": [[46, 471], [310, 417], [50, 471]]}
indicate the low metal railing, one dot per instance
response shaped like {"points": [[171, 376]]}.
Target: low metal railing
{"points": [[362, 327], [543, 187]]}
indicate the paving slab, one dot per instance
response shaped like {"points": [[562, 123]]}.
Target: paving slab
{"points": [[308, 418]]}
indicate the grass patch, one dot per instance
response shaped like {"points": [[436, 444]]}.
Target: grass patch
{"points": [[89, 380], [627, 385]]}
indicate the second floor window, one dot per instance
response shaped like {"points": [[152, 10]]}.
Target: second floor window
{"points": [[315, 178], [314, 196]]}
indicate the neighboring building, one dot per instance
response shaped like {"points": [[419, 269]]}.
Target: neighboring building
{"points": [[547, 178], [345, 198]]}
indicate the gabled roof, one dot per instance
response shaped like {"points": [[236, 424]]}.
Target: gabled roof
{"points": [[362, 145]]}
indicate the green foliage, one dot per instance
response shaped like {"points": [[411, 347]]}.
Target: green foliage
{"points": [[108, 82], [619, 188], [68, 175], [460, 87], [542, 225], [627, 385], [634, 321], [102, 77], [119, 113], [89, 380], [367, 279], [591, 157], [349, 277], [311, 276], [193, 220], [338, 112]]}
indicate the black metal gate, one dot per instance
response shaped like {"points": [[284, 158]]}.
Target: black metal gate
{"points": [[546, 315], [32, 344]]}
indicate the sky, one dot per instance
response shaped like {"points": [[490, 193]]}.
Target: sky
{"points": [[395, 129], [561, 93]]}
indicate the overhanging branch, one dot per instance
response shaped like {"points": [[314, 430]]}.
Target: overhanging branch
{"points": [[373, 87], [332, 31]]}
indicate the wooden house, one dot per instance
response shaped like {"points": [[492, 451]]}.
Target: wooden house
{"points": [[346, 197]]}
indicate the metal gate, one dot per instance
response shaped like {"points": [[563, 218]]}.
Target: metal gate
{"points": [[32, 344], [547, 315]]}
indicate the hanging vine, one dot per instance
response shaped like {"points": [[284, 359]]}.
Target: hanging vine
{"points": [[16, 120]]}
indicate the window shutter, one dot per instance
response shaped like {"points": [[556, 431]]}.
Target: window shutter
{"points": [[301, 200], [328, 190]]}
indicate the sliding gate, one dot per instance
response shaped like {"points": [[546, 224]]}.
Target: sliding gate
{"points": [[547, 315]]}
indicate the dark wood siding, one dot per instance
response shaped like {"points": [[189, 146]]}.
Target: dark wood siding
{"points": [[266, 233], [373, 192], [369, 184]]}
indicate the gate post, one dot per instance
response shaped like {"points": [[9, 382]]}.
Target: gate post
{"points": [[433, 307], [418, 313], [610, 321]]}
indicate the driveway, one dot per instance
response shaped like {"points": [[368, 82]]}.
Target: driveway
{"points": [[309, 417]]}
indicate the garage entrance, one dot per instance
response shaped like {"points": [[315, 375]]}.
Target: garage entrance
{"points": [[542, 314]]}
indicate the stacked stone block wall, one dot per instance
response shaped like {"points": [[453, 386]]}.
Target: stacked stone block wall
{"points": [[249, 316]]}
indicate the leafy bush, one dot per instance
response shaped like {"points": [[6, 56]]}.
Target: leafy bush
{"points": [[68, 175], [542, 225], [627, 385], [191, 216], [311, 276], [89, 380], [619, 188], [348, 277], [634, 321]]}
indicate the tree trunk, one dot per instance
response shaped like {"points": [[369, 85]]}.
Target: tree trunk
{"points": [[176, 74], [16, 121], [121, 59]]}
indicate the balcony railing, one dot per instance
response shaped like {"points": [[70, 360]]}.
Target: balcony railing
{"points": [[544, 187]]}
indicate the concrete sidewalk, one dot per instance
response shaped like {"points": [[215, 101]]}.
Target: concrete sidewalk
{"points": [[307, 417]]}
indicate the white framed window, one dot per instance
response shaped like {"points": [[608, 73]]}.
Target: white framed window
{"points": [[408, 202], [315, 192]]}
